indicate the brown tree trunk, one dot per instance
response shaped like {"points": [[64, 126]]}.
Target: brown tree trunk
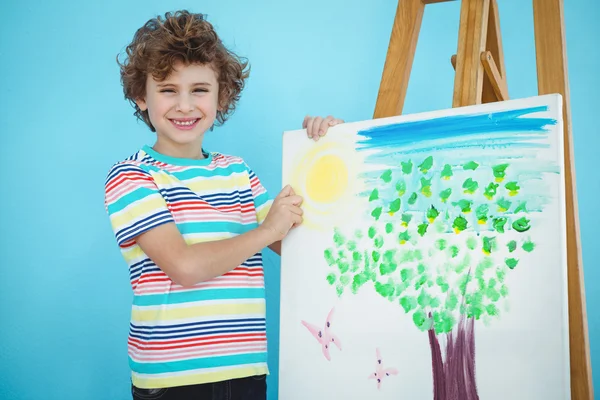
{"points": [[454, 376]]}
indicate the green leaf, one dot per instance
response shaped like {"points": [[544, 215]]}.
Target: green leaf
{"points": [[338, 238], [345, 280], [453, 251], [445, 194], [443, 321], [446, 172], [481, 211], [499, 171], [422, 229], [499, 224], [424, 299], [331, 279], [426, 187], [470, 186], [512, 187], [528, 246], [387, 176], [407, 274], [412, 199], [490, 190], [440, 244], [387, 268], [372, 232], [384, 289], [432, 214], [521, 225], [404, 237], [471, 243], [464, 205], [374, 195], [459, 224], [512, 245], [451, 301], [394, 206], [488, 243], [329, 258], [426, 165], [503, 205], [442, 283], [408, 303], [406, 218], [472, 165], [511, 262], [389, 227], [491, 310], [375, 255], [376, 213], [359, 280], [522, 207], [401, 188], [420, 320], [407, 167]]}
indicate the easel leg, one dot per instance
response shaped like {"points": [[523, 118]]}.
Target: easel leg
{"points": [[399, 59], [553, 78], [472, 33]]}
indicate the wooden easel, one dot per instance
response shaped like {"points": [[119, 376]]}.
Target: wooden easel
{"points": [[480, 78]]}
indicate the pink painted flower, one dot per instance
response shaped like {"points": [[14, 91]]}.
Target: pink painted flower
{"points": [[381, 372], [324, 337]]}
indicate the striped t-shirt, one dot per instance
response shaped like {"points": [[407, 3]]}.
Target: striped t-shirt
{"points": [[215, 330]]}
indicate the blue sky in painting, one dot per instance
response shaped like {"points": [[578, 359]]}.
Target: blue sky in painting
{"points": [[501, 129]]}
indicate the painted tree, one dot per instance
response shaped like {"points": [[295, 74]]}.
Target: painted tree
{"points": [[440, 244]]}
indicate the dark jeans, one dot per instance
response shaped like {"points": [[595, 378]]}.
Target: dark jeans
{"points": [[251, 388]]}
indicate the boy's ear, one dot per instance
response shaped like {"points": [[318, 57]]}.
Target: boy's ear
{"points": [[141, 103]]}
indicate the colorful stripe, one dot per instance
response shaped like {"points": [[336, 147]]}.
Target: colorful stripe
{"points": [[216, 329]]}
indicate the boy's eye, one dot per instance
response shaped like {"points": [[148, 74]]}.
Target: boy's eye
{"points": [[167, 91], [200, 90]]}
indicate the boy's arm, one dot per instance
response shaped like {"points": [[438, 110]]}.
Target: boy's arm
{"points": [[188, 265]]}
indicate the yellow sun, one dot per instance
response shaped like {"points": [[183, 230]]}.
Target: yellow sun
{"points": [[326, 175], [327, 179]]}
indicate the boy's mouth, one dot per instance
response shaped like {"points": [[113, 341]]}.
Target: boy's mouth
{"points": [[185, 123]]}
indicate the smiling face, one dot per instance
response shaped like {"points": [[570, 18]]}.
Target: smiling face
{"points": [[182, 108]]}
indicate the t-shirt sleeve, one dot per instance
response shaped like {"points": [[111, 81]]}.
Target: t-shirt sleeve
{"points": [[133, 202], [262, 201]]}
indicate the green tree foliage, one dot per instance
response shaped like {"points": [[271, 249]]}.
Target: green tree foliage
{"points": [[441, 241]]}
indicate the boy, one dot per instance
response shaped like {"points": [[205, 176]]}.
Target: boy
{"points": [[191, 224]]}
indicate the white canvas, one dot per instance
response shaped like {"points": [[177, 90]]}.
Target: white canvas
{"points": [[398, 259]]}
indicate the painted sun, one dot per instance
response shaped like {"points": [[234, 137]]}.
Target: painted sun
{"points": [[326, 176]]}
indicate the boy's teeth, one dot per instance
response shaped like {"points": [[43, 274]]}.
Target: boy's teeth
{"points": [[185, 122]]}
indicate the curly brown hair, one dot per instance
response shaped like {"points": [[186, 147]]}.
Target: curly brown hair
{"points": [[181, 37]]}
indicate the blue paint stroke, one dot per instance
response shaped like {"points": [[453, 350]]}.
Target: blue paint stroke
{"points": [[457, 126]]}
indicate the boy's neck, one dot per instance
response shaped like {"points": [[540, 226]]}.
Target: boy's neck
{"points": [[192, 152]]}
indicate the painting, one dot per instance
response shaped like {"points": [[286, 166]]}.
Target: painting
{"points": [[431, 263]]}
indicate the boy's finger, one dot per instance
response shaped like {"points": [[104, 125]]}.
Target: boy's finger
{"points": [[296, 210], [294, 200], [285, 192], [325, 125], [297, 220], [305, 122], [316, 126]]}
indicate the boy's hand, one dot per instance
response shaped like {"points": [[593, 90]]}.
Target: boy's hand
{"points": [[318, 126], [285, 214]]}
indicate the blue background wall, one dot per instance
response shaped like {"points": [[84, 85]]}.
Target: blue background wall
{"points": [[64, 292]]}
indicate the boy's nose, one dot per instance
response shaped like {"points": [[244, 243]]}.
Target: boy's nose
{"points": [[184, 105]]}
